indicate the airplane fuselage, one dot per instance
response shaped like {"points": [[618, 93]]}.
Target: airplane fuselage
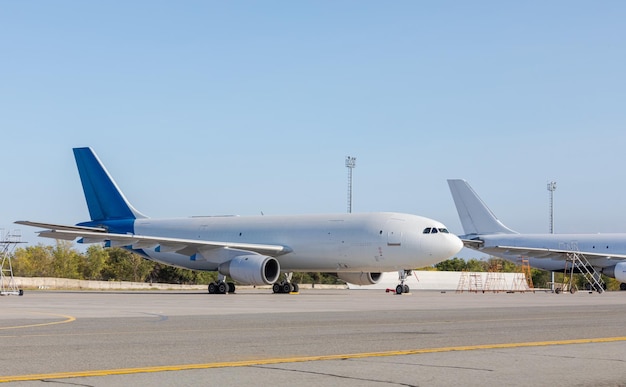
{"points": [[338, 242], [604, 244]]}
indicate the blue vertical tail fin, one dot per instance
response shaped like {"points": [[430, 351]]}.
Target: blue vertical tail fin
{"points": [[104, 198]]}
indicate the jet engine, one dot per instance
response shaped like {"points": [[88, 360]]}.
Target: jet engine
{"points": [[252, 269], [360, 278], [618, 271]]}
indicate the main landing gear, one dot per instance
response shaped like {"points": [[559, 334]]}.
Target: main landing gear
{"points": [[221, 286], [402, 287], [286, 286]]}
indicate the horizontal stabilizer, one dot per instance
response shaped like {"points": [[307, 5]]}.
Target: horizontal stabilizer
{"points": [[60, 226]]}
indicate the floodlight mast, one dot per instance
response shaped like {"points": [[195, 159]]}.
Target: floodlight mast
{"points": [[552, 188], [350, 164]]}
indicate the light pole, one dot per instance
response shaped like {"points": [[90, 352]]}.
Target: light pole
{"points": [[350, 164], [552, 188]]}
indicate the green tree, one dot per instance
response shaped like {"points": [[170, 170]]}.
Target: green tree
{"points": [[175, 275], [541, 278], [452, 264], [476, 265], [459, 264], [93, 262], [33, 261], [502, 265], [611, 283], [123, 265], [66, 260]]}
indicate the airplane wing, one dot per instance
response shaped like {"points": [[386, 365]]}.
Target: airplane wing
{"points": [[161, 244], [537, 252]]}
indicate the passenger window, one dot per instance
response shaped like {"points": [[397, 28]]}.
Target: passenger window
{"points": [[427, 230]]}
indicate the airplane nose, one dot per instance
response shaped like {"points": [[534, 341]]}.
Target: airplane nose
{"points": [[455, 244]]}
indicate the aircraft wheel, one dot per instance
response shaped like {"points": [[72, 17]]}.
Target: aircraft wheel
{"points": [[406, 289], [622, 286], [222, 288], [212, 288], [573, 289], [557, 290], [399, 289], [286, 288], [276, 288], [296, 288], [231, 287]]}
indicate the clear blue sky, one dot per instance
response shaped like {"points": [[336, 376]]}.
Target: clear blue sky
{"points": [[238, 107]]}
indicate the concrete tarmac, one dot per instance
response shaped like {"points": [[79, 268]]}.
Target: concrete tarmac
{"points": [[315, 338]]}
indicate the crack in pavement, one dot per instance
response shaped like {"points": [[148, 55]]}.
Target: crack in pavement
{"points": [[388, 382]]}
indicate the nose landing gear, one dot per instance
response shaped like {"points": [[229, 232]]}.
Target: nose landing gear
{"points": [[402, 287]]}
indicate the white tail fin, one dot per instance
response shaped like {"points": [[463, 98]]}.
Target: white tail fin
{"points": [[476, 217]]}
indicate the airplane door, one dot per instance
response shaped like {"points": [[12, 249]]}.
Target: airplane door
{"points": [[394, 235]]}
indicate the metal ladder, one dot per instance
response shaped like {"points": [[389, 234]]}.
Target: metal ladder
{"points": [[580, 262], [8, 241], [476, 282], [495, 282]]}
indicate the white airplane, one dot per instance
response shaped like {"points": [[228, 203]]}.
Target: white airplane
{"points": [[255, 250], [604, 253]]}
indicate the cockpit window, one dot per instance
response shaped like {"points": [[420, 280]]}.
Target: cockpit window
{"points": [[435, 230]]}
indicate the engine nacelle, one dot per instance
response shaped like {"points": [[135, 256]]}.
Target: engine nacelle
{"points": [[360, 278], [252, 269], [618, 272]]}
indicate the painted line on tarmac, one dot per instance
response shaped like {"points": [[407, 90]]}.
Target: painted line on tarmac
{"points": [[300, 359], [68, 319]]}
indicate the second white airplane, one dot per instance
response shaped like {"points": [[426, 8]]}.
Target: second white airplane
{"points": [[603, 253], [255, 250]]}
